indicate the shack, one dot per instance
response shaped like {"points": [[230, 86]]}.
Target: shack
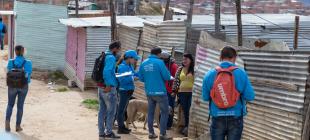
{"points": [[281, 108], [86, 39]]}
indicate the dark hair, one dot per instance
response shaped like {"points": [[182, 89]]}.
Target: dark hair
{"points": [[19, 50], [156, 51], [228, 53], [0, 18], [192, 65], [115, 44]]}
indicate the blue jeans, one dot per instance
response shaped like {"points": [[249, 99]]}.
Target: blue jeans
{"points": [[21, 94], [164, 112], [171, 104], [122, 106], [185, 99], [230, 127], [107, 110]]}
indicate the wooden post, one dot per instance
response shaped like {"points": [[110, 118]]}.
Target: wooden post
{"points": [[113, 21], [189, 24], [137, 7], [76, 8], [296, 32], [167, 10], [217, 11], [239, 21]]}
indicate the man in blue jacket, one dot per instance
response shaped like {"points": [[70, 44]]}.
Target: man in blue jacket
{"points": [[228, 122], [3, 31], [107, 93], [154, 74]]}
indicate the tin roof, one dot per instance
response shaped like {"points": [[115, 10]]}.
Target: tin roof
{"points": [[7, 13], [130, 21]]}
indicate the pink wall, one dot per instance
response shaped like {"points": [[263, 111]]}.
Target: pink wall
{"points": [[76, 50], [71, 49], [81, 54]]}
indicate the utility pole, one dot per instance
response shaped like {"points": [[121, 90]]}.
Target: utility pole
{"points": [[217, 10], [239, 21], [77, 8], [189, 24], [296, 32], [113, 21], [167, 10]]}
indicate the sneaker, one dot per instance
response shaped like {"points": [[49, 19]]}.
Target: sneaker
{"points": [[101, 136], [165, 137], [127, 129], [153, 136], [185, 131], [123, 131], [112, 136]]}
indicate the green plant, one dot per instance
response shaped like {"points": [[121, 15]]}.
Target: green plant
{"points": [[62, 89], [91, 104]]}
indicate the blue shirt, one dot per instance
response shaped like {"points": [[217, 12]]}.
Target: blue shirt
{"points": [[242, 84], [153, 73], [109, 70], [18, 61], [126, 82], [2, 25]]}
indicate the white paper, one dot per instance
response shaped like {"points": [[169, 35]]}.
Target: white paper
{"points": [[118, 75]]}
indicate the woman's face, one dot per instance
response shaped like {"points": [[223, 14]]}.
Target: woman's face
{"points": [[186, 61], [132, 61]]}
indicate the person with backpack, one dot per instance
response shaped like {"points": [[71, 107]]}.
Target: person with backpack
{"points": [[126, 87], [3, 32], [172, 68], [183, 87], [107, 90], [18, 79], [154, 74], [227, 88]]}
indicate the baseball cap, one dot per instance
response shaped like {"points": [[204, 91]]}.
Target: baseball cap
{"points": [[132, 54]]}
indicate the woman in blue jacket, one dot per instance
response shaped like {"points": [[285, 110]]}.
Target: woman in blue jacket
{"points": [[20, 93], [126, 87]]}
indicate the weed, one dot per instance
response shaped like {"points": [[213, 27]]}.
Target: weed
{"points": [[91, 104], [62, 89]]}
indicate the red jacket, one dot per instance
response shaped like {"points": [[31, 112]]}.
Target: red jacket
{"points": [[173, 70]]}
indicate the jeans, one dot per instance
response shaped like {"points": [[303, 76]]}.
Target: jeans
{"points": [[107, 110], [171, 104], [122, 107], [164, 112], [230, 127], [21, 94], [185, 99]]}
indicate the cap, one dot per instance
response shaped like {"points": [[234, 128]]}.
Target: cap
{"points": [[132, 54], [165, 55]]}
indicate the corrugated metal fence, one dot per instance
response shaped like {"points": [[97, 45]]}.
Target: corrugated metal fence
{"points": [[279, 80], [38, 29]]}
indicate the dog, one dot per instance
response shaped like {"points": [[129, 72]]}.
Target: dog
{"points": [[135, 106]]}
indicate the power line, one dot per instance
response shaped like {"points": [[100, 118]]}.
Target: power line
{"points": [[287, 29]]}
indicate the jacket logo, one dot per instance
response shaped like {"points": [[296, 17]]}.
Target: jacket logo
{"points": [[223, 94], [149, 67]]}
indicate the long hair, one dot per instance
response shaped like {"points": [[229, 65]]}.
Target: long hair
{"points": [[192, 64]]}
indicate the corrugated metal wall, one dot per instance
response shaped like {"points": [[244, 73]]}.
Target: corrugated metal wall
{"points": [[167, 35], [279, 80], [38, 29], [71, 51], [98, 40], [129, 37], [81, 54]]}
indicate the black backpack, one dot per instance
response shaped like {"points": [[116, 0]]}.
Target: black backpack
{"points": [[97, 74], [16, 77]]}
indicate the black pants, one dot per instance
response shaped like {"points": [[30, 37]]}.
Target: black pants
{"points": [[185, 99]]}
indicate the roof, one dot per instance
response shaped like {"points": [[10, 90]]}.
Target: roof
{"points": [[82, 4], [6, 12], [130, 21]]}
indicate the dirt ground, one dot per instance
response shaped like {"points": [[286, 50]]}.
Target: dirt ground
{"points": [[50, 115]]}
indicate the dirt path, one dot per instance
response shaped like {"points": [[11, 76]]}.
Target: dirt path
{"points": [[55, 116]]}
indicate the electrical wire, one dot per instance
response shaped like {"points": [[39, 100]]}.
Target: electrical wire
{"points": [[283, 28]]}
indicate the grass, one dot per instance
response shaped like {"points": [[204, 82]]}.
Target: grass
{"points": [[57, 75], [62, 89], [91, 104]]}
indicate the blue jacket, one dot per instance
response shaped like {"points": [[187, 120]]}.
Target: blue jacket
{"points": [[2, 25], [242, 84], [109, 70], [153, 73], [127, 82], [18, 61]]}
